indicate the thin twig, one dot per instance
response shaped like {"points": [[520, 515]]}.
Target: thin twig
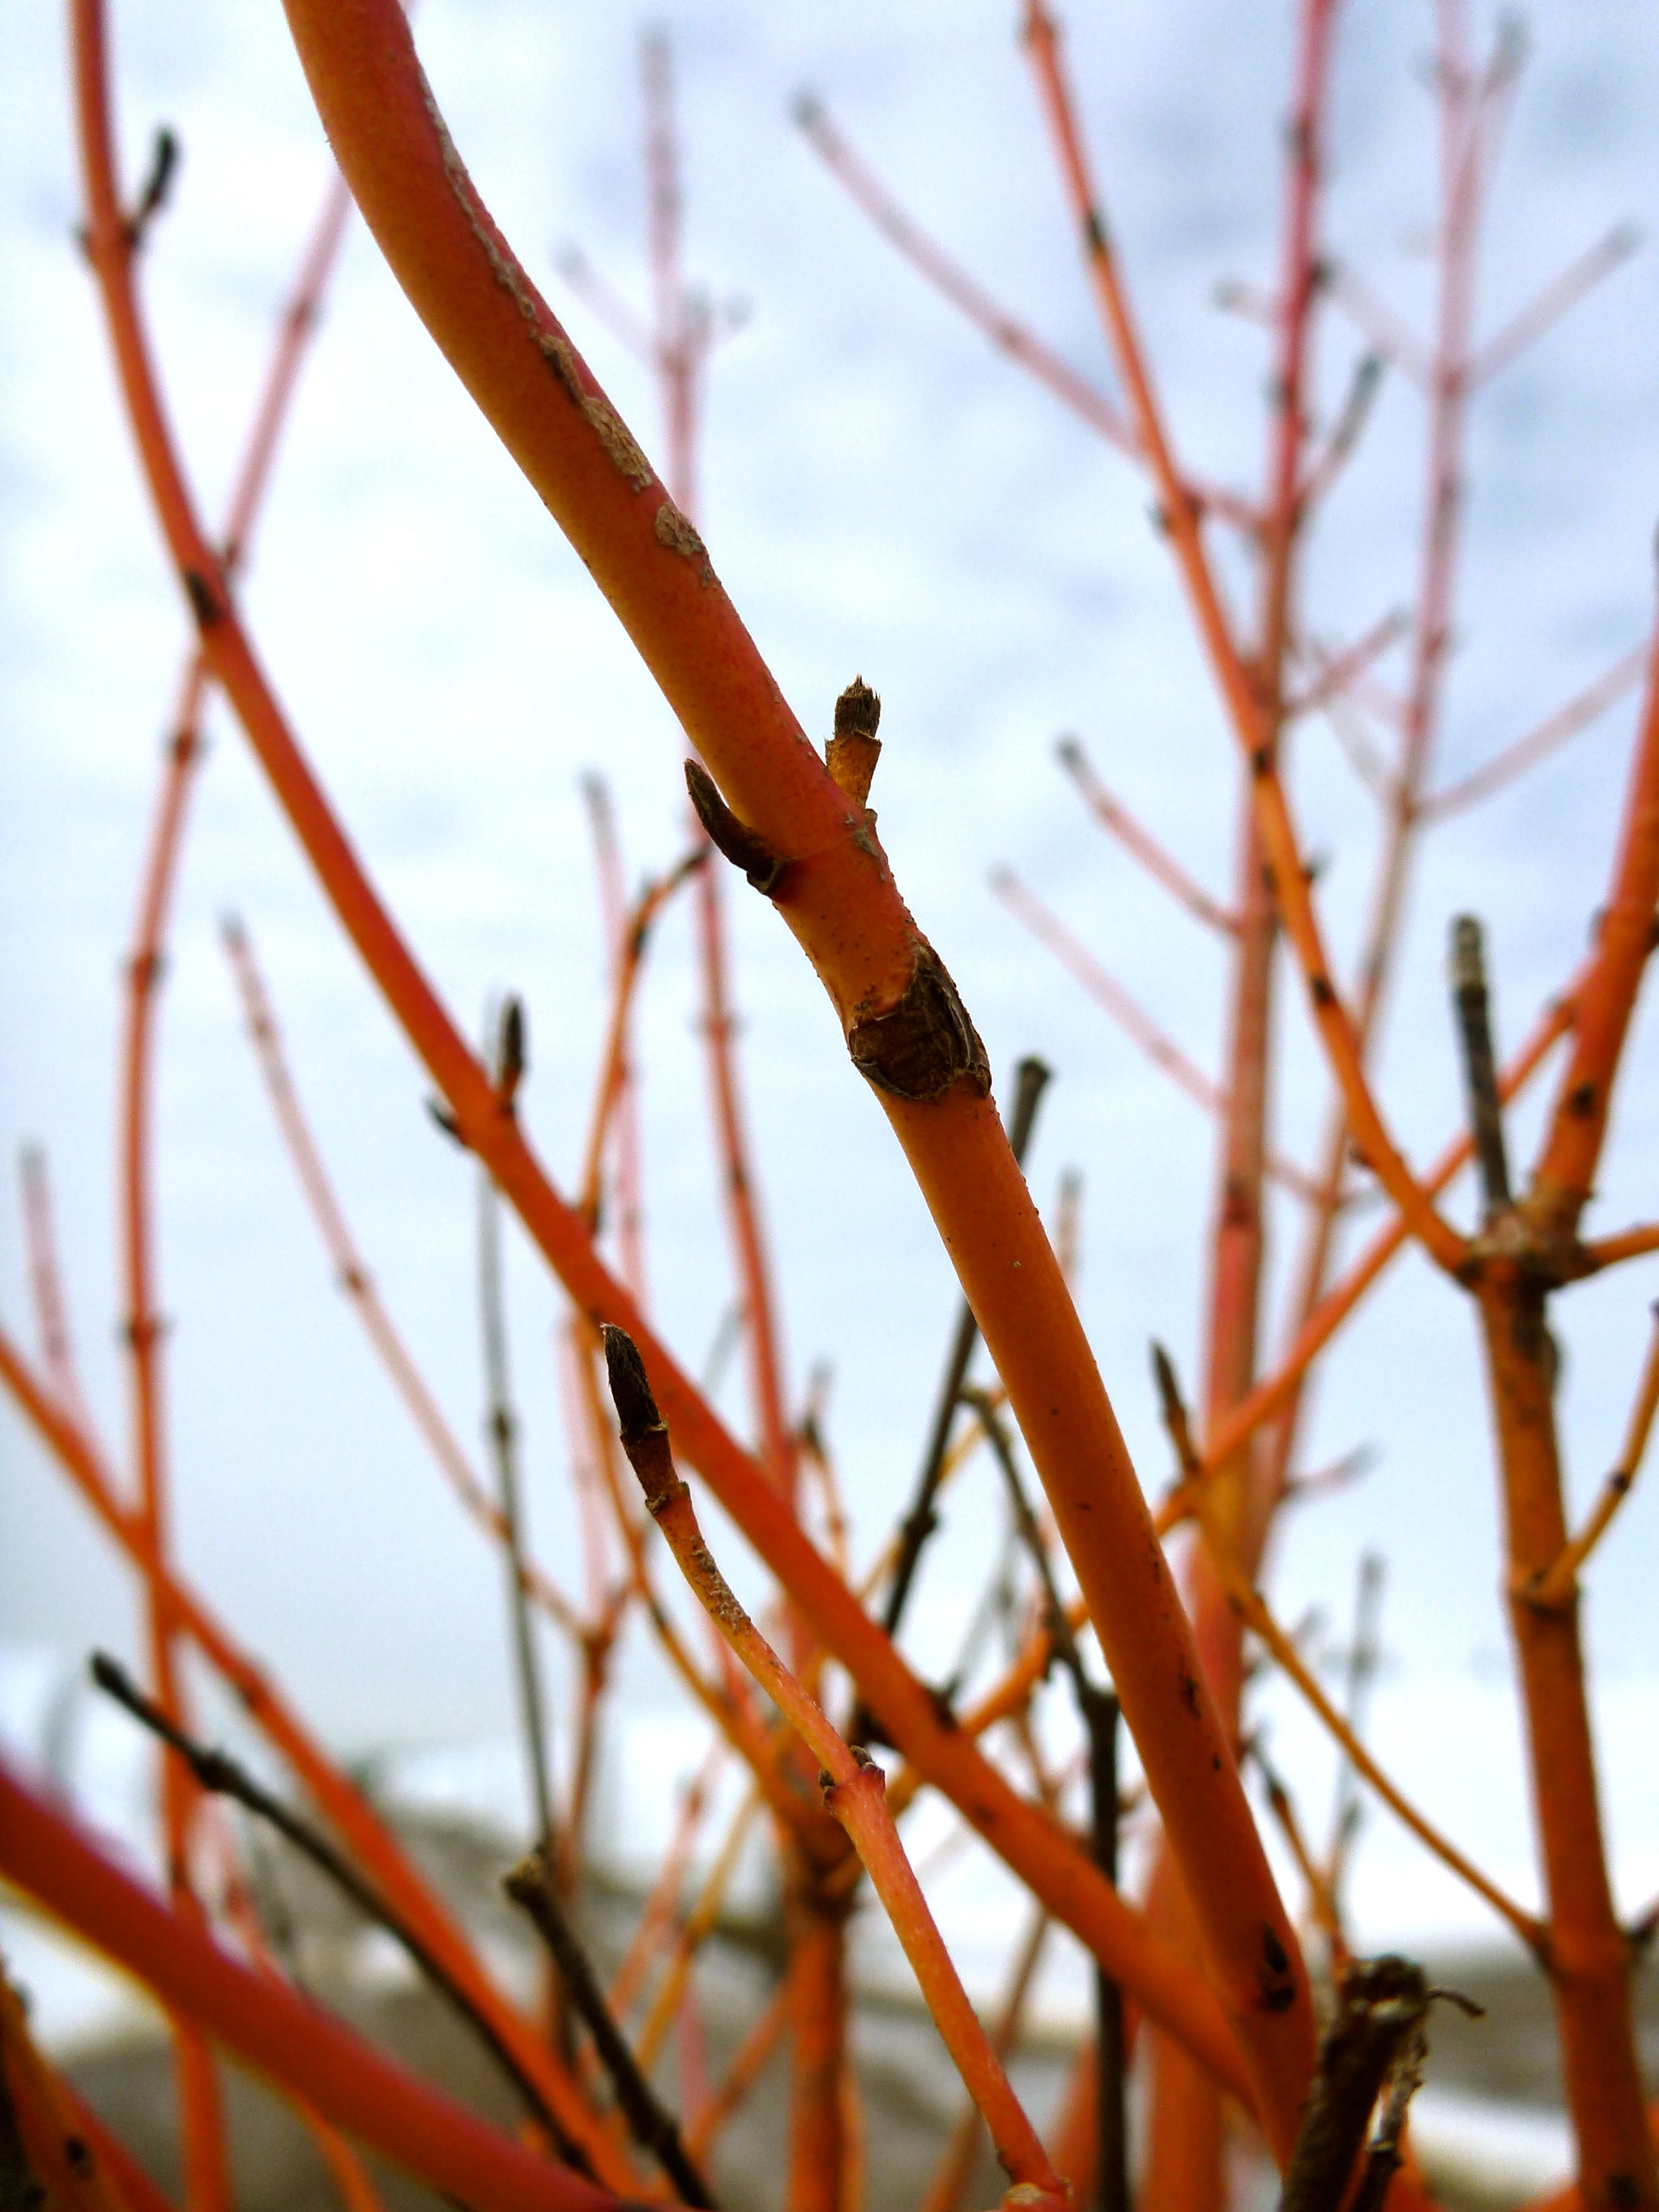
{"points": [[1097, 1709], [501, 1426], [352, 1273], [1160, 1049], [919, 1520], [1321, 1898], [46, 1286], [1117, 817], [1560, 294], [1556, 1586], [748, 2061], [699, 1925], [604, 302], [1471, 1001], [1010, 336], [1345, 432], [216, 1772], [1392, 337], [1336, 671], [1537, 744], [630, 1223], [1349, 727], [531, 1885]]}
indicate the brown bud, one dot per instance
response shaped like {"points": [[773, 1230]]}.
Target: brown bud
{"points": [[851, 755]]}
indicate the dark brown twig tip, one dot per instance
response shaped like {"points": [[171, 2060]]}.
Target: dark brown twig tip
{"points": [[631, 1390], [512, 1050], [444, 1120], [1168, 1389], [1472, 1005], [744, 848], [1468, 956], [858, 710], [852, 753], [163, 167]]}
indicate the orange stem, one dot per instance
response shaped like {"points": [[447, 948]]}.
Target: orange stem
{"points": [[1608, 1251], [1557, 1585], [139, 2192], [1185, 2107], [1566, 1169], [1588, 1955], [207, 2180], [43, 2130], [817, 1926], [955, 2168]]}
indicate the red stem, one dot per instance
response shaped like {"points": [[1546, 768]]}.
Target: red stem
{"points": [[294, 2045]]}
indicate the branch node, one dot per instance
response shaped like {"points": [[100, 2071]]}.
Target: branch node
{"points": [[923, 1044]]}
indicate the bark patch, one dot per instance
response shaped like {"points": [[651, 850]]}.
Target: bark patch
{"points": [[918, 1047]]}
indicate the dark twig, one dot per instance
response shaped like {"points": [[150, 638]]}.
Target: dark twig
{"points": [[1383, 2159], [1098, 1711], [219, 1774], [530, 1886], [1382, 2004], [1176, 1422], [921, 1520], [1468, 977], [163, 167], [507, 1068], [1345, 432]]}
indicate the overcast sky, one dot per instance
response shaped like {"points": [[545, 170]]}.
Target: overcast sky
{"points": [[884, 495]]}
